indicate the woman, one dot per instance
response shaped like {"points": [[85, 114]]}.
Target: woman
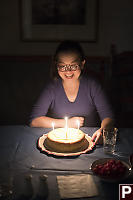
{"points": [[71, 94]]}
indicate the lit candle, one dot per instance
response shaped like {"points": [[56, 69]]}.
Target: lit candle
{"points": [[53, 125], [66, 126], [78, 124]]}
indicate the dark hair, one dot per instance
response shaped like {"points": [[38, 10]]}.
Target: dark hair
{"points": [[66, 46]]}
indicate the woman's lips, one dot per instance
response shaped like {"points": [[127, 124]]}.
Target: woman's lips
{"points": [[69, 76]]}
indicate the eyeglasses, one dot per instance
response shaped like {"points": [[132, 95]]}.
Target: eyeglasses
{"points": [[64, 68]]}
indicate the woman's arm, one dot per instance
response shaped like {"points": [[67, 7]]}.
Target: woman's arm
{"points": [[104, 109], [107, 123], [46, 122]]}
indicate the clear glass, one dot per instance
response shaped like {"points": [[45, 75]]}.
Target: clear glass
{"points": [[109, 140]]}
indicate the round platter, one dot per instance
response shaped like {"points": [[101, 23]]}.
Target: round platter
{"points": [[43, 147]]}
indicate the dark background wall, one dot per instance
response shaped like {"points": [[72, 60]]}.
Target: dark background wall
{"points": [[115, 19], [21, 82], [25, 65]]}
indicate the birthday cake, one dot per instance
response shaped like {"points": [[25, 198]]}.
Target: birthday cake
{"points": [[66, 141]]}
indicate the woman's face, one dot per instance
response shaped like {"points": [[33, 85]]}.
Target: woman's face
{"points": [[69, 66]]}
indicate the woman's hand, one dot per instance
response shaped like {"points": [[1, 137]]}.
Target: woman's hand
{"points": [[97, 136], [72, 122], [106, 123]]}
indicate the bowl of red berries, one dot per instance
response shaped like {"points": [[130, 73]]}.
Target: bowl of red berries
{"points": [[111, 170]]}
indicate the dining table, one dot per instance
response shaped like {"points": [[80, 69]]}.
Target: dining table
{"points": [[26, 168]]}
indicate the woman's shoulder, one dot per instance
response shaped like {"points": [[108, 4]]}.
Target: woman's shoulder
{"points": [[90, 80], [93, 86], [52, 84], [50, 89]]}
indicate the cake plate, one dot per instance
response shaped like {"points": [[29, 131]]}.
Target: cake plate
{"points": [[44, 148]]}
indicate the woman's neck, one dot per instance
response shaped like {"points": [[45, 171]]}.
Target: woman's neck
{"points": [[71, 84], [71, 89]]}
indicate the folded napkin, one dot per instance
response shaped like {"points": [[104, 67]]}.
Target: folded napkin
{"points": [[76, 186]]}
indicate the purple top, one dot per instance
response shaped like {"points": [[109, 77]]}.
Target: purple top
{"points": [[90, 103]]}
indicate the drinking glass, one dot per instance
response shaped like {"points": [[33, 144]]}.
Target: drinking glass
{"points": [[109, 140]]}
